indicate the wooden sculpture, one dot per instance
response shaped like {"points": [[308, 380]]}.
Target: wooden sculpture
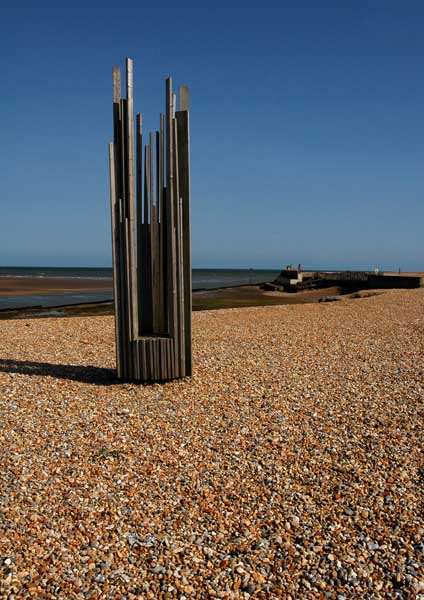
{"points": [[150, 204]]}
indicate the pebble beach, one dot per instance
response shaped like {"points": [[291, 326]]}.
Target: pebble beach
{"points": [[289, 466]]}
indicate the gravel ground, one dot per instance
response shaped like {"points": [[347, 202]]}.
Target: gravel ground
{"points": [[289, 466]]}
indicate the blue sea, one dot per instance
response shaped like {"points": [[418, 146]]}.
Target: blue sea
{"points": [[202, 279]]}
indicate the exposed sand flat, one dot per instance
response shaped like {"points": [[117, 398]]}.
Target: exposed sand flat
{"points": [[25, 286], [289, 466], [405, 273]]}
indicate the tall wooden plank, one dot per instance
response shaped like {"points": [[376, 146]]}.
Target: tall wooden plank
{"points": [[139, 217], [144, 274], [130, 358], [123, 155], [182, 340], [183, 123], [147, 250], [115, 259], [171, 267], [179, 337], [154, 230], [118, 192], [125, 284], [131, 203], [174, 361], [161, 241], [123, 294], [161, 164], [159, 268]]}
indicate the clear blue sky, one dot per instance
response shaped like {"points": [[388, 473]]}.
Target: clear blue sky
{"points": [[307, 127]]}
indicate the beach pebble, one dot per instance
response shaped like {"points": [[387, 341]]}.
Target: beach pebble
{"points": [[288, 466]]}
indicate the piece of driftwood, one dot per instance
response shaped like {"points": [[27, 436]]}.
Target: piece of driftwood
{"points": [[150, 206]]}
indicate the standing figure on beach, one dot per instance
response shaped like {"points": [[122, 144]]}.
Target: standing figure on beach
{"points": [[150, 205]]}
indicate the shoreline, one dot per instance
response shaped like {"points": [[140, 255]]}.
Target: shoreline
{"points": [[242, 296], [227, 296], [28, 286]]}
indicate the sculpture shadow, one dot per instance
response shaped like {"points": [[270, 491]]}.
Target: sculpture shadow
{"points": [[83, 374]]}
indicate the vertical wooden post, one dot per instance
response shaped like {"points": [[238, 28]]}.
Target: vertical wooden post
{"points": [[139, 216], [115, 255], [170, 213], [132, 274], [183, 126], [179, 334], [116, 194], [162, 232]]}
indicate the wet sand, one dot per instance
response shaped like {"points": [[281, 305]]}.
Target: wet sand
{"points": [[27, 286], [405, 273], [252, 295]]}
